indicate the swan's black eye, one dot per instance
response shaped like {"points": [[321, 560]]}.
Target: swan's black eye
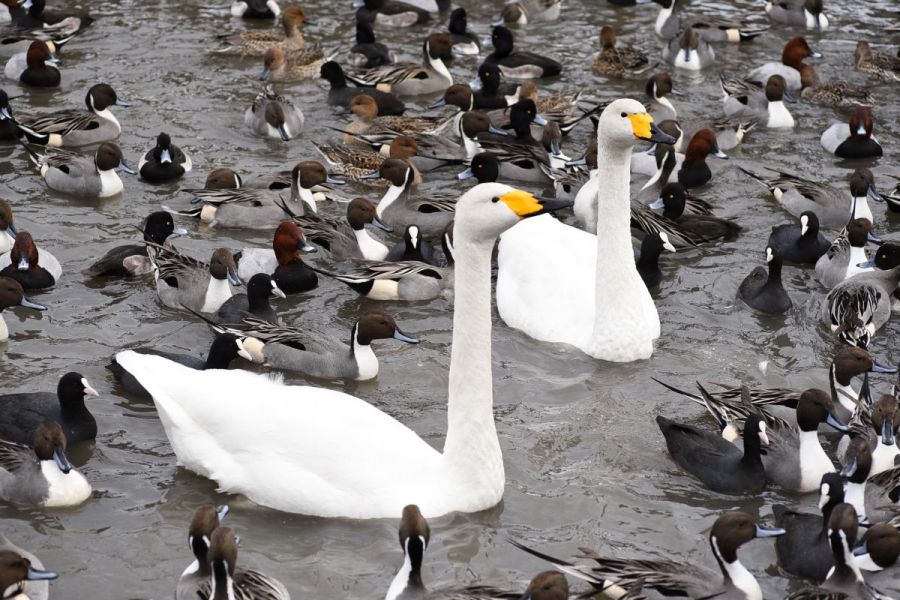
{"points": [[495, 199], [624, 115]]}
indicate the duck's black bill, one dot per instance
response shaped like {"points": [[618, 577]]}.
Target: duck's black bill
{"points": [[659, 136]]}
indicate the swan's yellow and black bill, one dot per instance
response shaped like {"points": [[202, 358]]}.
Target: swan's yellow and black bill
{"points": [[644, 129], [524, 204]]}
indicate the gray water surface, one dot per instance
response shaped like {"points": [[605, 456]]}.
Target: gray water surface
{"points": [[585, 463]]}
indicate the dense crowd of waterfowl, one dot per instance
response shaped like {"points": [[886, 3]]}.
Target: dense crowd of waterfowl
{"points": [[570, 246]]}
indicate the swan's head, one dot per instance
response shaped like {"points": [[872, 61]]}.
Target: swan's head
{"points": [[489, 209], [624, 121]]}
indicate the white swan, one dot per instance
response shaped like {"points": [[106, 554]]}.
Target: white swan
{"points": [[556, 290], [322, 452]]}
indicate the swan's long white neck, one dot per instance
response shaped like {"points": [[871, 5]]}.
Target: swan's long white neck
{"points": [[472, 456]]}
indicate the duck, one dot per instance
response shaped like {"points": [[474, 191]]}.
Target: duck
{"points": [[798, 194], [23, 412], [23, 263], [274, 116], [367, 53], [72, 127], [255, 9], [802, 13], [318, 356], [257, 41], [283, 261], [689, 51], [41, 475], [35, 588], [660, 162], [409, 281], [831, 93], [522, 12], [164, 162], [844, 256], [340, 94], [132, 260], [294, 66], [487, 91], [764, 291], [617, 61], [855, 142], [521, 157], [30, 68], [238, 582], [660, 107], [712, 29], [879, 547], [392, 465], [648, 259], [694, 171], [795, 50], [673, 201], [255, 302], [463, 41], [366, 110], [413, 80], [859, 306], [884, 417], [878, 65], [752, 105], [30, 14], [356, 163], [9, 129], [719, 464], [347, 238], [255, 208], [12, 294], [800, 244], [519, 64], [190, 284], [205, 521], [731, 530], [225, 348], [83, 177], [397, 209], [574, 304], [872, 496], [804, 549], [391, 13], [413, 247]]}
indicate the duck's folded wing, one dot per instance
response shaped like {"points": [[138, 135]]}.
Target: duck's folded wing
{"points": [[377, 269], [388, 74], [12, 455], [434, 202], [251, 584], [249, 196], [667, 577], [63, 122], [650, 222]]}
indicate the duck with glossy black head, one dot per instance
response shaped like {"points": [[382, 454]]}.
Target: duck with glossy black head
{"points": [[673, 201], [164, 162], [131, 260], [464, 42], [260, 289], [648, 258], [517, 64], [367, 53]]}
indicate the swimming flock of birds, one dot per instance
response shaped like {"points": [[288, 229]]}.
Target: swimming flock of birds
{"points": [[585, 287]]}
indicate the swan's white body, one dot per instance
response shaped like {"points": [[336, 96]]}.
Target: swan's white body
{"points": [[551, 285], [322, 452]]}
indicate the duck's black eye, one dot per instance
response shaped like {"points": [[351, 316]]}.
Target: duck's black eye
{"points": [[624, 115], [495, 199]]}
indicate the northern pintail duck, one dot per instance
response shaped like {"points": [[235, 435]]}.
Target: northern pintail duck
{"points": [[516, 64], [831, 93], [804, 549], [367, 53], [255, 9], [464, 42], [224, 349], [23, 412], [431, 77], [398, 209], [802, 244], [660, 107], [689, 51], [274, 116], [12, 294], [879, 65], [669, 24], [83, 176], [879, 547], [617, 61], [74, 127], [764, 290], [858, 307], [798, 195], [795, 50], [347, 238], [879, 423], [627, 577], [648, 258], [522, 12], [390, 463], [292, 66], [674, 200], [186, 283], [412, 247], [254, 303], [206, 519], [31, 14], [236, 582], [802, 13], [41, 475], [316, 355], [561, 107], [391, 13], [521, 157], [30, 67], [131, 259], [873, 496], [855, 141], [845, 255], [694, 171], [355, 163], [409, 281], [750, 104], [23, 263], [14, 40], [35, 587], [366, 110], [258, 41], [340, 94], [283, 261], [164, 162]]}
